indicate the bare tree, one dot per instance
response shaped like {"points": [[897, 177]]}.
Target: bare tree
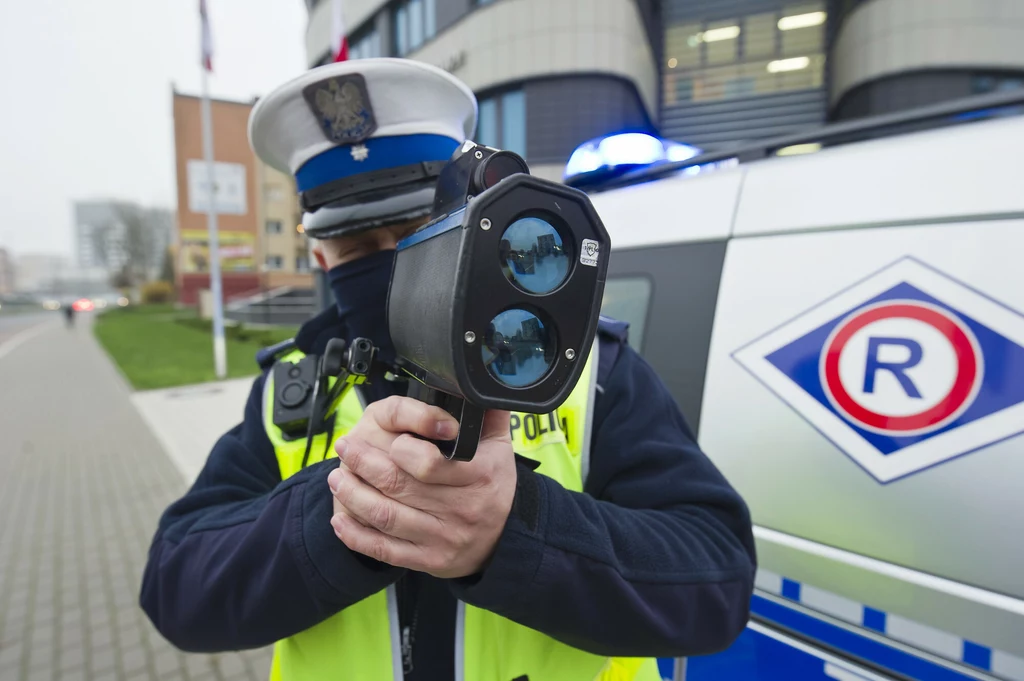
{"points": [[126, 244], [102, 243], [167, 268]]}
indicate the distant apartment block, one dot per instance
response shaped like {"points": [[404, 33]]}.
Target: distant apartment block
{"points": [[100, 236], [6, 273]]}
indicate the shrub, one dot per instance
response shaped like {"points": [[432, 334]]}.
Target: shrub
{"points": [[240, 332], [157, 292]]}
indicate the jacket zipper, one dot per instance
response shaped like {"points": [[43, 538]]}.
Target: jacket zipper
{"points": [[408, 616]]}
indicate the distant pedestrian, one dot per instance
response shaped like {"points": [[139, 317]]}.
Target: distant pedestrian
{"points": [[69, 315]]}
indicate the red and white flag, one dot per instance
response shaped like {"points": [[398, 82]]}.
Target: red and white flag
{"points": [[207, 39], [339, 43]]}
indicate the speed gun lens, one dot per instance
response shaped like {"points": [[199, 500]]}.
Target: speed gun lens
{"points": [[533, 256], [518, 349]]}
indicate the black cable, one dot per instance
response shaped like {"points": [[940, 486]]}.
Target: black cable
{"points": [[330, 437], [313, 418]]}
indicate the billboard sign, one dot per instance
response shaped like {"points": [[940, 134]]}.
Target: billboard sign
{"points": [[237, 251], [229, 187]]}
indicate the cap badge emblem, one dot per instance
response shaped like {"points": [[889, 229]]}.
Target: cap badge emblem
{"points": [[342, 107]]}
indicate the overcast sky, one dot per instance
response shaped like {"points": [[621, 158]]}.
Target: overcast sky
{"points": [[85, 98]]}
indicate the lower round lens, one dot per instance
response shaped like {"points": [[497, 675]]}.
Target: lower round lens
{"points": [[533, 256], [518, 348]]}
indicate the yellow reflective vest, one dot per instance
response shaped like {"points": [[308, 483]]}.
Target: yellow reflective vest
{"points": [[361, 643]]}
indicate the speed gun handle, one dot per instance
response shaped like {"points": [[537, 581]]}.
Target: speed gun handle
{"points": [[469, 416]]}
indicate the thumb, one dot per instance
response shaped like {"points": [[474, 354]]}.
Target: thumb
{"points": [[496, 426]]}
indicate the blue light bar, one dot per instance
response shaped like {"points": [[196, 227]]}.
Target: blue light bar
{"points": [[615, 153]]}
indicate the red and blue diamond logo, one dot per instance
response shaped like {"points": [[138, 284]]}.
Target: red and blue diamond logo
{"points": [[904, 370]]}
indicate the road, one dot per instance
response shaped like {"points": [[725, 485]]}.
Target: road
{"points": [[82, 484], [11, 324]]}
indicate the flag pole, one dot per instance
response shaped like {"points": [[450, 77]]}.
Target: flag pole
{"points": [[219, 348]]}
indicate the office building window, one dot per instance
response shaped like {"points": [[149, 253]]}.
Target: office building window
{"points": [[302, 263], [747, 55], [513, 122], [981, 83], [501, 122], [365, 43], [487, 123], [274, 227], [429, 18], [415, 22], [274, 262]]}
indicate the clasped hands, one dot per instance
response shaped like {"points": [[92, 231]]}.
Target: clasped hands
{"points": [[399, 501]]}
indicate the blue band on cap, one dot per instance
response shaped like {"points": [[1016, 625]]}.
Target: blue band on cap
{"points": [[382, 153]]}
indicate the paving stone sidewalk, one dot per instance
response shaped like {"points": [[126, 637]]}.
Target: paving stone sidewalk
{"points": [[189, 420], [82, 484]]}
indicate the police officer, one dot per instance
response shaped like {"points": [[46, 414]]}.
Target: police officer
{"points": [[576, 545]]}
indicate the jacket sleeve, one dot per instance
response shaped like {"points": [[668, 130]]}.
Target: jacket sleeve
{"points": [[656, 559], [244, 559]]}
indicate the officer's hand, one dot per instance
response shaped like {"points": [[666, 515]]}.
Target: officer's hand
{"points": [[399, 501]]}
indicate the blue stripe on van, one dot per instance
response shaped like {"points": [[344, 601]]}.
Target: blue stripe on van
{"points": [[854, 644], [977, 655], [874, 619], [923, 637], [791, 589]]}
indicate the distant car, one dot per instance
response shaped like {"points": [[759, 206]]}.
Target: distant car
{"points": [[83, 305]]}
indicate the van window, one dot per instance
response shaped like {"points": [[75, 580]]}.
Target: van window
{"points": [[627, 299]]}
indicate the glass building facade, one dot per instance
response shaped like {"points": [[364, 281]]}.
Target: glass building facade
{"points": [[892, 55], [723, 73], [542, 118], [739, 70], [757, 54]]}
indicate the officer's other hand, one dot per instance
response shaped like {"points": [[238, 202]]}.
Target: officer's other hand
{"points": [[396, 499]]}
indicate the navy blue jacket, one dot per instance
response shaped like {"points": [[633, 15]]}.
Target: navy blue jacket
{"points": [[655, 559]]}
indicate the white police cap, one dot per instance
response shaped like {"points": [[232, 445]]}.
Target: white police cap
{"points": [[364, 139]]}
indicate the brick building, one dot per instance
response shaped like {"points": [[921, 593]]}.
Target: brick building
{"points": [[258, 214]]}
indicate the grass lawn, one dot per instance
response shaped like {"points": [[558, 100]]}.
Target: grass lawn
{"points": [[157, 346]]}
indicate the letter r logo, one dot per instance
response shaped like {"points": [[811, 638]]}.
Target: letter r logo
{"points": [[898, 369]]}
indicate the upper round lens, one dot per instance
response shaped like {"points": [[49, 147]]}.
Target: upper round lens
{"points": [[533, 256], [518, 348]]}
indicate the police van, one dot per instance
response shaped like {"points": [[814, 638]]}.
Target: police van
{"points": [[840, 316]]}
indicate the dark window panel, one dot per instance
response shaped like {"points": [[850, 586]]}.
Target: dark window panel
{"points": [[682, 277], [450, 11], [600, 105], [910, 90], [414, 23], [728, 122]]}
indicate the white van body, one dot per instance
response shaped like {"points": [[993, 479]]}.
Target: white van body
{"points": [[845, 332]]}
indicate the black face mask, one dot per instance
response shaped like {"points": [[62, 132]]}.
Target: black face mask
{"points": [[360, 288]]}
